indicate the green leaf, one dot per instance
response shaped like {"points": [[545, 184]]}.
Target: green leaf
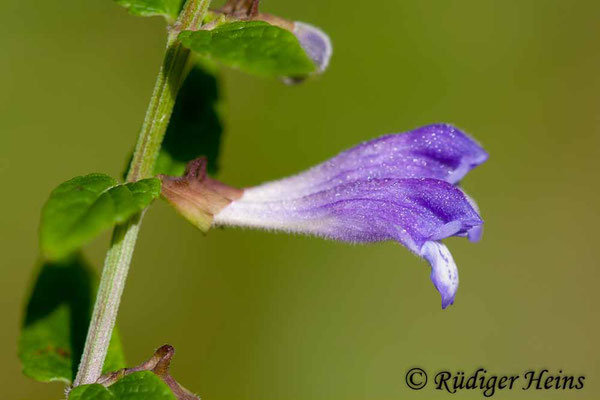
{"points": [[195, 127], [91, 392], [255, 47], [147, 8], [137, 386], [143, 385], [56, 320], [81, 208]]}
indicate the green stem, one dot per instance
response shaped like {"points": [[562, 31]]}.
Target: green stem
{"points": [[118, 258]]}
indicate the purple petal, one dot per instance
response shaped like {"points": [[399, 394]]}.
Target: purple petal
{"points": [[444, 273], [410, 211], [417, 212], [315, 43], [476, 233], [438, 151]]}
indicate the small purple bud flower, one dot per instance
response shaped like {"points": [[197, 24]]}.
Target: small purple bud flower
{"points": [[313, 40], [315, 43], [397, 187]]}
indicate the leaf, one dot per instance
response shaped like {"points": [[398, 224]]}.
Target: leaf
{"points": [[91, 392], [255, 47], [81, 208], [148, 8], [56, 320], [142, 385], [195, 127]]}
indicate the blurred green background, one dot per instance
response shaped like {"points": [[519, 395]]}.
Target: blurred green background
{"points": [[257, 315]]}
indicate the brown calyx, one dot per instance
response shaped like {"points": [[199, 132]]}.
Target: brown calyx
{"points": [[197, 196]]}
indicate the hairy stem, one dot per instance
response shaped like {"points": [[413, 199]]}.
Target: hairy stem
{"points": [[118, 258]]}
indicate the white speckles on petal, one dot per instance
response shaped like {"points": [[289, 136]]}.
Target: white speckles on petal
{"points": [[444, 273], [432, 151]]}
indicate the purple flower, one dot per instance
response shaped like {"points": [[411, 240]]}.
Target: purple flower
{"points": [[398, 187]]}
